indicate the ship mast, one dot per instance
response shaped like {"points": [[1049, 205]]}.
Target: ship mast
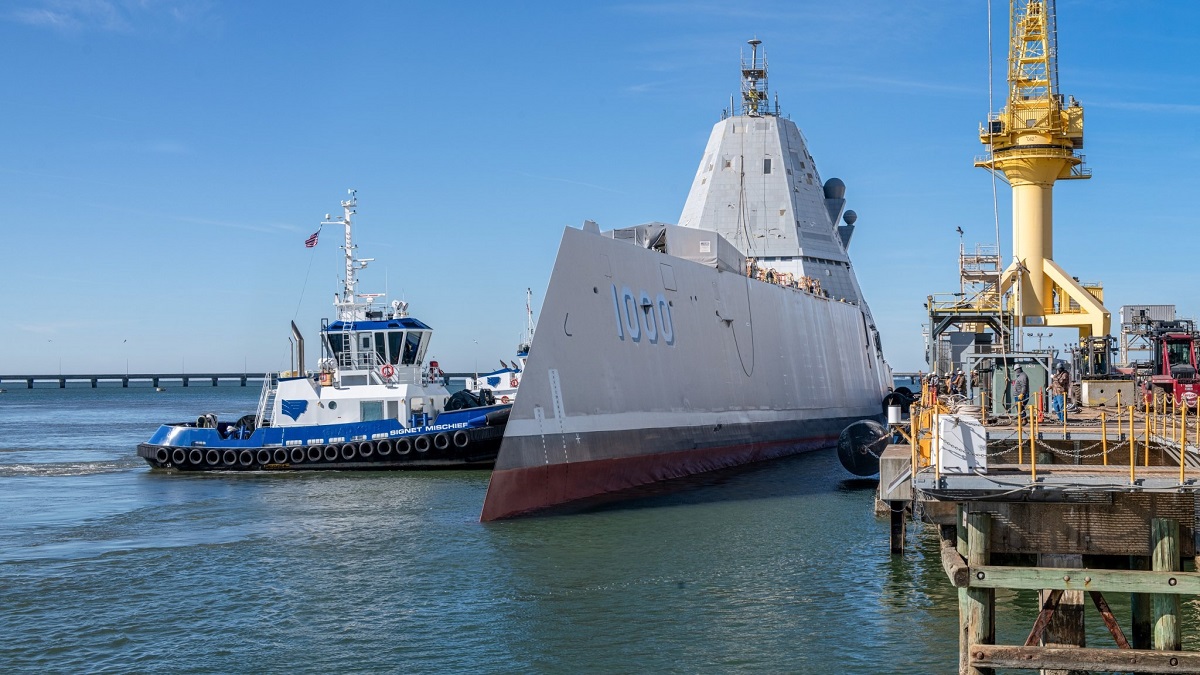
{"points": [[527, 336], [754, 83], [529, 316], [347, 308]]}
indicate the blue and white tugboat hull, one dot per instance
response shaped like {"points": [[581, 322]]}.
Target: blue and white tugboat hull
{"points": [[458, 440]]}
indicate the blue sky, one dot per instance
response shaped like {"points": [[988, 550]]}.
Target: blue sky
{"points": [[164, 160]]}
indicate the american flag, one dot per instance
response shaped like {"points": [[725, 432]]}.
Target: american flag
{"points": [[311, 241]]}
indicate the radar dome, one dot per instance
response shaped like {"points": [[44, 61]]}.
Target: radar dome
{"points": [[849, 217], [835, 189]]}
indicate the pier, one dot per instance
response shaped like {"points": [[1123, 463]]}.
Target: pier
{"points": [[1102, 503]]}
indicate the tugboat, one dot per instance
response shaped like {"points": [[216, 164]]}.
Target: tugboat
{"points": [[370, 405], [504, 382]]}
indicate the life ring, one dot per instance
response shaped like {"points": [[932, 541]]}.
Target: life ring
{"points": [[504, 399], [387, 370], [512, 382]]}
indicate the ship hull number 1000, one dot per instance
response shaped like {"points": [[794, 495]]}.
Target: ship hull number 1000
{"points": [[638, 316]]}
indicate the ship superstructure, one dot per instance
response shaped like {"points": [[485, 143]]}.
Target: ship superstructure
{"points": [[759, 188], [667, 350]]}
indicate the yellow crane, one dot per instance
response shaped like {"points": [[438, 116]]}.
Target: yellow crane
{"points": [[1034, 141]]}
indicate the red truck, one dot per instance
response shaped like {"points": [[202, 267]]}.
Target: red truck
{"points": [[1173, 369]]}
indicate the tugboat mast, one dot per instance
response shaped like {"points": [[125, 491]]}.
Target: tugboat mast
{"points": [[527, 338], [347, 308]]}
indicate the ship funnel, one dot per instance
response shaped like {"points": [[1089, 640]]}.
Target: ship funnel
{"points": [[299, 348]]}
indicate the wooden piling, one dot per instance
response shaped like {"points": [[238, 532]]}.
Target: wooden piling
{"points": [[1065, 627], [898, 515], [976, 610], [1164, 540], [964, 643]]}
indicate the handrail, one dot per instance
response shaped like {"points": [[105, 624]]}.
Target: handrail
{"points": [[265, 398]]}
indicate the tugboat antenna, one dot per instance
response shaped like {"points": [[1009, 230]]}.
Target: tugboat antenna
{"points": [[347, 307], [529, 326]]}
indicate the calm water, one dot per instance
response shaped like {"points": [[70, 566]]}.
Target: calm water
{"points": [[106, 566]]}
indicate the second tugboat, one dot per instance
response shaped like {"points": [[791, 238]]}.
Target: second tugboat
{"points": [[503, 383], [371, 405]]}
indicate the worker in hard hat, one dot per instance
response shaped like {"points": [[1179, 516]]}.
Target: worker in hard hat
{"points": [[958, 383], [1059, 386], [1020, 389]]}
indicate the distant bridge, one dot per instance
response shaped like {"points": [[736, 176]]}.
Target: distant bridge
{"points": [[153, 378], [126, 378]]}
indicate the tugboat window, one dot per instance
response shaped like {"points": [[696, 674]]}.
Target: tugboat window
{"points": [[381, 347], [371, 410], [412, 340], [337, 345], [395, 340]]}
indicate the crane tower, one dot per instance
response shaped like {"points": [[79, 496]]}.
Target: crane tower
{"points": [[1034, 141]]}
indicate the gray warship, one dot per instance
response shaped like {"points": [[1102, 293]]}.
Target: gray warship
{"points": [[736, 336]]}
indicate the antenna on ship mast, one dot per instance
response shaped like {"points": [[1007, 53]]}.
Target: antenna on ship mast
{"points": [[529, 316], [347, 308], [754, 82]]}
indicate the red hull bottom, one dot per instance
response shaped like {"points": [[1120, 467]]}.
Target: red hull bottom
{"points": [[516, 492]]}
